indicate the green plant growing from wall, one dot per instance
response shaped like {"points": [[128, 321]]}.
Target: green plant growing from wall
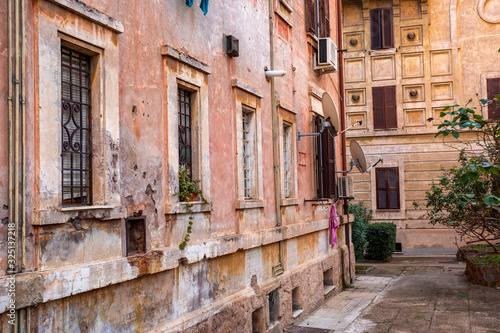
{"points": [[188, 191], [362, 218], [467, 197]]}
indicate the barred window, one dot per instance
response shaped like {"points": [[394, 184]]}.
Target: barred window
{"points": [[185, 129], [247, 152], [76, 129], [287, 163]]}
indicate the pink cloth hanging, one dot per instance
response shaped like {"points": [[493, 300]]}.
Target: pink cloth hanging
{"points": [[334, 225]]}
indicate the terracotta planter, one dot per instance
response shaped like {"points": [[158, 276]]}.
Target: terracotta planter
{"points": [[193, 197]]}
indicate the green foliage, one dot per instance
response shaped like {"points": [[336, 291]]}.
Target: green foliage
{"points": [[467, 197], [187, 186], [381, 238], [487, 259], [362, 217]]}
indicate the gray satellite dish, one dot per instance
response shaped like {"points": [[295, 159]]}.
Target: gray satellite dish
{"points": [[358, 156], [330, 111]]}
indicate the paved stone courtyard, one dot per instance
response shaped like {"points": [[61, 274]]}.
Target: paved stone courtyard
{"points": [[409, 294]]}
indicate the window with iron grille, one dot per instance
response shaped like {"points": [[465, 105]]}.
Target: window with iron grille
{"points": [[325, 163], [493, 87], [76, 129], [384, 107], [387, 188], [248, 151], [287, 160], [185, 129], [381, 28]]}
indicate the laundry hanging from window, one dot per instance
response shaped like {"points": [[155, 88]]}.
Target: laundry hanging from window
{"points": [[203, 5]]}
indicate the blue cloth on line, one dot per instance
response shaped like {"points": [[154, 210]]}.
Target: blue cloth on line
{"points": [[203, 6], [189, 3]]}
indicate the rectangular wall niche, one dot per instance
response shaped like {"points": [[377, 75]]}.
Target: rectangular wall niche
{"points": [[442, 91], [273, 299], [296, 307], [441, 62], [136, 235], [258, 322], [413, 65], [328, 284], [383, 68]]}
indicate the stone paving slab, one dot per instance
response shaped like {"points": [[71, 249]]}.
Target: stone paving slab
{"points": [[409, 295]]}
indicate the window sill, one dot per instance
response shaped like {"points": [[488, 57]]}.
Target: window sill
{"points": [[247, 204], [187, 207], [289, 202], [395, 210], [64, 214], [323, 202], [383, 51]]}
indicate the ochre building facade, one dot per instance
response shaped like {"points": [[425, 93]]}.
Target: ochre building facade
{"points": [[405, 60], [104, 103]]}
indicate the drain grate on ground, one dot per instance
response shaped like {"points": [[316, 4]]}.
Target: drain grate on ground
{"points": [[298, 329]]}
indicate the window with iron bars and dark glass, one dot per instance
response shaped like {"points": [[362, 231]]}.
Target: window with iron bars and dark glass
{"points": [[185, 129], [287, 160], [247, 152], [76, 128]]}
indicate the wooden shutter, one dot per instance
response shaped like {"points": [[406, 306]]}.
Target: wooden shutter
{"points": [[387, 28], [378, 107], [390, 107], [311, 16], [319, 159], [375, 28], [324, 16], [493, 86], [387, 188], [328, 163]]}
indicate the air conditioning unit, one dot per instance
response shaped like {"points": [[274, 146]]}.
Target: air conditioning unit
{"points": [[345, 187], [327, 55]]}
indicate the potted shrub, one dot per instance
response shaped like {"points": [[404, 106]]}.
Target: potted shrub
{"points": [[188, 188]]}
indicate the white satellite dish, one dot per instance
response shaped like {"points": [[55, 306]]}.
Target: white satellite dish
{"points": [[330, 111], [358, 156]]}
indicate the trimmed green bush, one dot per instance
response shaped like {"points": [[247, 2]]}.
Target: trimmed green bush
{"points": [[362, 217], [381, 239]]}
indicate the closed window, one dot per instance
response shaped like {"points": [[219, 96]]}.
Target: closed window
{"points": [[287, 160], [75, 121], [493, 90], [384, 107], [185, 128], [325, 163], [387, 188], [381, 28], [249, 150], [318, 18]]}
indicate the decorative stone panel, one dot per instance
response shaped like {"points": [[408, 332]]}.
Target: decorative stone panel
{"points": [[353, 14], [413, 65], [414, 117], [355, 97], [353, 117], [355, 70], [437, 119], [441, 62], [410, 9], [442, 91], [411, 36], [354, 41], [383, 68], [413, 93]]}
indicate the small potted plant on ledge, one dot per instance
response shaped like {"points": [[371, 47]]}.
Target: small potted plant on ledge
{"points": [[188, 188]]}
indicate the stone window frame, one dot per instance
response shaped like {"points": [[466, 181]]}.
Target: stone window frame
{"points": [[287, 116], [103, 49], [284, 10], [185, 72], [247, 97], [483, 86]]}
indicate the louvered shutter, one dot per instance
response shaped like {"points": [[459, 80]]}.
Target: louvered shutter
{"points": [[375, 26], [393, 188], [493, 86], [381, 189], [328, 163], [324, 15], [387, 28], [378, 107], [319, 159], [390, 107], [311, 16]]}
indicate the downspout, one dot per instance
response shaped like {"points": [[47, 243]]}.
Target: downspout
{"points": [[276, 161], [23, 124], [16, 136], [345, 209], [11, 129]]}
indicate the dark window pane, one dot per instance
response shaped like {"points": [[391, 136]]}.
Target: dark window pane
{"points": [[382, 199], [393, 199]]}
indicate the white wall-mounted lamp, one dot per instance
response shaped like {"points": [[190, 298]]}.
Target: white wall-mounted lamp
{"points": [[274, 73]]}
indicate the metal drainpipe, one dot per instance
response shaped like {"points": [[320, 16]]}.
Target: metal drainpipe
{"points": [[342, 122], [11, 128], [276, 161]]}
